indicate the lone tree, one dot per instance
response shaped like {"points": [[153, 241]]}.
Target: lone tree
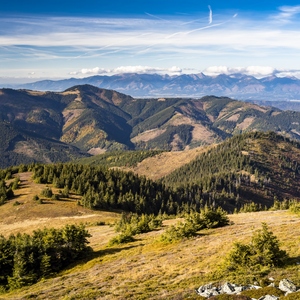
{"points": [[262, 253]]}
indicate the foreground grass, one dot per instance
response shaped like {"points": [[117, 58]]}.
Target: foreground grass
{"points": [[149, 269]]}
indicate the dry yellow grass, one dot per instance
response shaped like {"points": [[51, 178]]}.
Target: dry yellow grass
{"points": [[30, 215], [145, 268], [166, 162], [148, 269]]}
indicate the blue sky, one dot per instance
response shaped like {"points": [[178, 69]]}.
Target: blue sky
{"points": [[61, 39]]}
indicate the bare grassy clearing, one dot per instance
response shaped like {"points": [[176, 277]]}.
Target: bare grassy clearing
{"points": [[30, 215], [149, 269], [166, 162]]}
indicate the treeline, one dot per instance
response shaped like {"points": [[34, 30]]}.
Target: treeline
{"points": [[103, 188], [241, 170], [119, 158], [24, 259]]}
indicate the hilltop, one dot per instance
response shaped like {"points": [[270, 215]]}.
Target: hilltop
{"points": [[86, 120]]}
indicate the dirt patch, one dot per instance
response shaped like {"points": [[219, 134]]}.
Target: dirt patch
{"points": [[71, 115], [246, 123], [148, 135], [201, 133], [75, 92], [96, 151], [35, 93], [166, 162]]}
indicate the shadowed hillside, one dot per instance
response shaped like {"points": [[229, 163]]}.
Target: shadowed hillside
{"points": [[85, 120]]}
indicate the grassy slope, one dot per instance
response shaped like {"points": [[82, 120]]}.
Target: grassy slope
{"points": [[145, 268]]}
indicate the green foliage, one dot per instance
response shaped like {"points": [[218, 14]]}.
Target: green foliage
{"points": [[213, 218], [207, 218], [132, 224], [47, 192], [122, 238], [119, 158], [35, 197], [295, 207], [178, 232], [24, 259], [15, 184], [257, 257], [240, 170], [251, 207], [6, 193], [257, 293], [103, 188]]}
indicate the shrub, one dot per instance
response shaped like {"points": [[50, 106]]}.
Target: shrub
{"points": [[257, 293], [123, 238], [261, 254], [35, 197], [179, 231], [295, 207], [47, 192], [55, 197], [207, 218]]}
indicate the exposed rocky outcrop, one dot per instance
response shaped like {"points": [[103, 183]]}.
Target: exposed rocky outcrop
{"points": [[210, 290]]}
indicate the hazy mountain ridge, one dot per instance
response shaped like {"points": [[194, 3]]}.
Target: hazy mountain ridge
{"points": [[238, 86], [95, 120]]}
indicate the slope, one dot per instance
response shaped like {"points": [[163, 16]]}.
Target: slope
{"points": [[94, 120], [252, 167]]}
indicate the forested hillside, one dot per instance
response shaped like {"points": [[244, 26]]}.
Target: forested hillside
{"points": [[252, 167], [86, 120]]}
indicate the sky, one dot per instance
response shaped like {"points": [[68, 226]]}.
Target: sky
{"points": [[62, 39]]}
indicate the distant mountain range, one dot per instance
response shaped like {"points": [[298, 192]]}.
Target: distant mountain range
{"points": [[237, 86], [85, 120]]}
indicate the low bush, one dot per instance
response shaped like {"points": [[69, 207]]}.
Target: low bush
{"points": [[132, 224], [47, 192], [207, 218], [257, 257], [257, 293]]}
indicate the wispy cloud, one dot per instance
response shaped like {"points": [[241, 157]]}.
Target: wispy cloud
{"points": [[210, 16], [197, 42], [287, 13]]}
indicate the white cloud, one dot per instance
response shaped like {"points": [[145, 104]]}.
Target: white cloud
{"points": [[129, 69], [287, 12], [256, 71], [94, 71]]}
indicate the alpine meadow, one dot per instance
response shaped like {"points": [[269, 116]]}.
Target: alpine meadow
{"points": [[149, 150]]}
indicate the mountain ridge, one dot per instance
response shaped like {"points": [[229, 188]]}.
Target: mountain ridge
{"points": [[237, 85], [94, 120]]}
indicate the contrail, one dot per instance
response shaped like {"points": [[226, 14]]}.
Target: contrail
{"points": [[210, 15], [156, 17]]}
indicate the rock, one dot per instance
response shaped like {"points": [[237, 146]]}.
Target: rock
{"points": [[207, 290], [287, 286], [227, 288], [272, 284]]}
